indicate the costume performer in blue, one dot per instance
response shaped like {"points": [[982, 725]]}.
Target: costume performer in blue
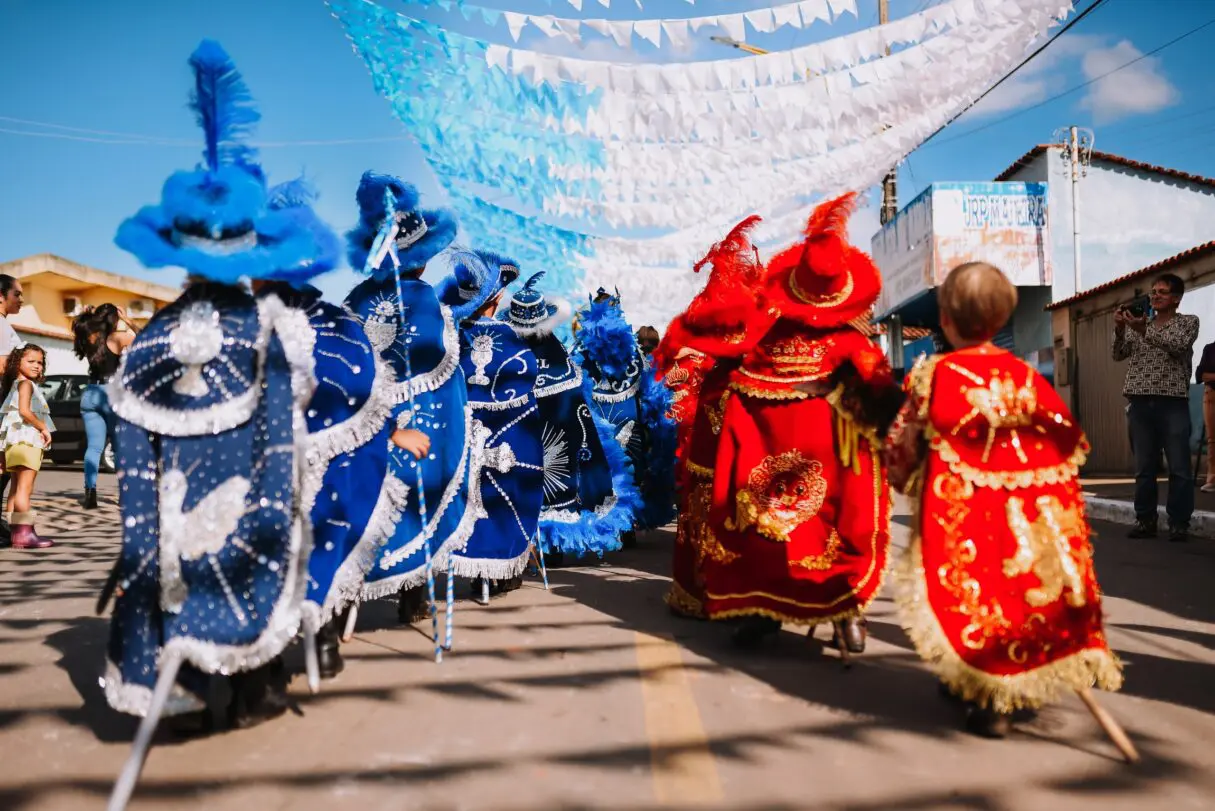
{"points": [[589, 494], [353, 500], [627, 396], [419, 339], [501, 373], [210, 403]]}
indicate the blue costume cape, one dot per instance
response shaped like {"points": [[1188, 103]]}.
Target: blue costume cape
{"points": [[589, 494], [501, 373], [353, 500], [627, 396], [209, 400], [425, 358]]}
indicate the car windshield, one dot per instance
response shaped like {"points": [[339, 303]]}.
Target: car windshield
{"points": [[56, 388]]}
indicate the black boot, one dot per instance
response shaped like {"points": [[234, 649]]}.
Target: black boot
{"points": [[629, 539], [90, 498], [754, 630], [258, 695], [6, 534], [510, 584], [413, 605], [328, 651]]}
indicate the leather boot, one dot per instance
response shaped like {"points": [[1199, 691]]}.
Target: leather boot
{"points": [[90, 498], [754, 630], [24, 536], [629, 539], [328, 651], [854, 635], [510, 584], [258, 695], [413, 605]]}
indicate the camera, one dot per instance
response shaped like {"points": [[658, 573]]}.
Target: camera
{"points": [[1139, 308]]}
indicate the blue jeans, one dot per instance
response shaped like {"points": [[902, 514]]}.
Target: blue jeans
{"points": [[1162, 424], [98, 429]]}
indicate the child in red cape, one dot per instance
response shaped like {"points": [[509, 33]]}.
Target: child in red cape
{"points": [[997, 588]]}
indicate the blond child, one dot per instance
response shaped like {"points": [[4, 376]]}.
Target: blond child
{"points": [[25, 430]]}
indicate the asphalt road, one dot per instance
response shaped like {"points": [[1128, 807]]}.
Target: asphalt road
{"points": [[591, 696]]}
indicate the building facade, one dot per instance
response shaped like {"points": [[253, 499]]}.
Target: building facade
{"points": [[58, 289]]}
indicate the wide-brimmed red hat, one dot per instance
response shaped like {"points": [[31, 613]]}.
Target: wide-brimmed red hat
{"points": [[824, 281], [719, 321]]}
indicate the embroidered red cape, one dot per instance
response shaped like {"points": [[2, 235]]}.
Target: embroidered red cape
{"points": [[800, 507], [998, 590]]}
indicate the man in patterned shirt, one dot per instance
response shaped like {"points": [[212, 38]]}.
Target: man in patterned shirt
{"points": [[1161, 352]]}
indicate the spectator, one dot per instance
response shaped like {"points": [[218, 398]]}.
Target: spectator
{"points": [[1206, 374], [99, 342], [12, 296], [1160, 348]]}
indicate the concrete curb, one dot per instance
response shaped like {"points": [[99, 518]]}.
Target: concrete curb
{"points": [[1123, 512]]}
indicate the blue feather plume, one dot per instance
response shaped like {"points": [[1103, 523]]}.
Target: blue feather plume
{"points": [[532, 281], [223, 106], [292, 194]]}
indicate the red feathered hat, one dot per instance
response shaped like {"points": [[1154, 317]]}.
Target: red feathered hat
{"points": [[717, 322], [824, 281]]}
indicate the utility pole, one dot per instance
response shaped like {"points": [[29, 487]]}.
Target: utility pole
{"points": [[1077, 147], [890, 189]]}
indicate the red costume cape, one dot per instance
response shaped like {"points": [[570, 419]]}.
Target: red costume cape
{"points": [[997, 590]]}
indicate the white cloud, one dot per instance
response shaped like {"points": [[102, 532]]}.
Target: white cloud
{"points": [[1042, 77], [1139, 89]]}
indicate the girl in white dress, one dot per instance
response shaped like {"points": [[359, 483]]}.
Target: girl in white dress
{"points": [[25, 433]]}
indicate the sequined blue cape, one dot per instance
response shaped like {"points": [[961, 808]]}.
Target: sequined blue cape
{"points": [[637, 406], [209, 400], [501, 373], [430, 396], [352, 498], [589, 494]]}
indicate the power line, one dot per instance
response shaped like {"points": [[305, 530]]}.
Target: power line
{"points": [[1070, 24], [1080, 86], [131, 138]]}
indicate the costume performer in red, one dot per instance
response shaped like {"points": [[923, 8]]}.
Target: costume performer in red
{"points": [[800, 505], [997, 589], [722, 323]]}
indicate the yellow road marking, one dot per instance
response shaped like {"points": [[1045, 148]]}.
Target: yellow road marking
{"points": [[682, 764]]}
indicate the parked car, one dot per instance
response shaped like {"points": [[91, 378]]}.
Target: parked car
{"points": [[62, 393]]}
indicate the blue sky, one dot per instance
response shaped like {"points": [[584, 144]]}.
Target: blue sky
{"points": [[120, 66]]}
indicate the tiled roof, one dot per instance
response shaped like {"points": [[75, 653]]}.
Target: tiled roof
{"points": [[869, 329], [1160, 267], [1107, 157]]}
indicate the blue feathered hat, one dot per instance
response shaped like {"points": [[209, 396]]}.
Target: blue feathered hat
{"points": [[291, 216], [476, 277], [391, 224], [213, 221], [531, 312], [605, 338]]}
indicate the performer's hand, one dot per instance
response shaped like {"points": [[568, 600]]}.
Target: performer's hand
{"points": [[1137, 324], [46, 438], [412, 440]]}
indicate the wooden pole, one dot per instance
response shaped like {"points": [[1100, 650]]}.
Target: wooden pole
{"points": [[1116, 733]]}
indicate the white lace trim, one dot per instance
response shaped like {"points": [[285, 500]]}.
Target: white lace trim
{"points": [[557, 388], [490, 568], [619, 397], [574, 516], [348, 582], [500, 405], [135, 699]]}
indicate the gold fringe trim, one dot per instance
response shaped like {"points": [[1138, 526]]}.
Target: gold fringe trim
{"points": [[1011, 479], [680, 601], [699, 471], [1093, 667], [768, 394], [788, 619]]}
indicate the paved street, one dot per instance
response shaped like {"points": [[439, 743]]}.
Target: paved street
{"points": [[592, 696]]}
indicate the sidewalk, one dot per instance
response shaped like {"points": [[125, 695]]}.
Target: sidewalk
{"points": [[1114, 500]]}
